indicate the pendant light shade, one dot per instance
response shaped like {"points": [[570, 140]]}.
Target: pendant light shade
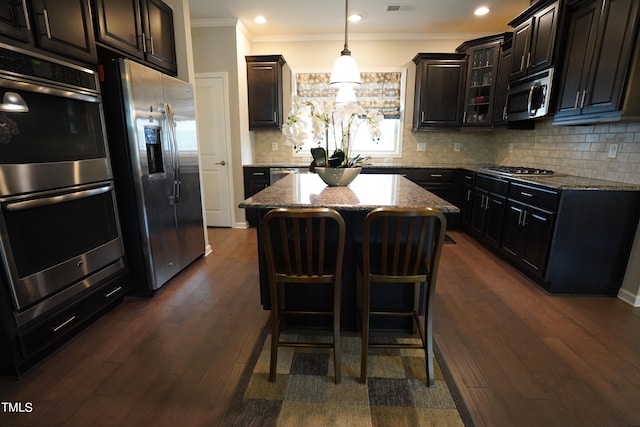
{"points": [[13, 103], [345, 71], [345, 95]]}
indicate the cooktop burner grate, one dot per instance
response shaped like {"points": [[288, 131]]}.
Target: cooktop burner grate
{"points": [[519, 170]]}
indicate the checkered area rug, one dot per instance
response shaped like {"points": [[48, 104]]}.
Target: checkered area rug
{"points": [[305, 393]]}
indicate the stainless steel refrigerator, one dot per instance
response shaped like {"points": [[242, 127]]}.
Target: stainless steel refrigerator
{"points": [[151, 128]]}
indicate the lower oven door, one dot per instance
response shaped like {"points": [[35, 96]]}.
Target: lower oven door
{"points": [[55, 244]]}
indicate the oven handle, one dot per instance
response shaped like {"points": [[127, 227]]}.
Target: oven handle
{"points": [[47, 201], [47, 89]]}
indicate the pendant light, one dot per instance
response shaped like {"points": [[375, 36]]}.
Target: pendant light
{"points": [[345, 70], [13, 103]]}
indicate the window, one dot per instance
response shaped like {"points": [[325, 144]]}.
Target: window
{"points": [[380, 91]]}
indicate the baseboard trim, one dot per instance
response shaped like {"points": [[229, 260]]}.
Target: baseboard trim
{"points": [[629, 297]]}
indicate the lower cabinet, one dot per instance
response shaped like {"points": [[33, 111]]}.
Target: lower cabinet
{"points": [[488, 207], [568, 241], [526, 235], [255, 180], [23, 348]]}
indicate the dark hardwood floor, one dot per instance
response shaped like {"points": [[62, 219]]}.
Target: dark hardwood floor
{"points": [[519, 356]]}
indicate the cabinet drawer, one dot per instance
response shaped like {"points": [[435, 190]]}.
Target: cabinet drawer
{"points": [[62, 324], [543, 198], [494, 185], [429, 175]]}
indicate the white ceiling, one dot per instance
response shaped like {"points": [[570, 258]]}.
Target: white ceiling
{"points": [[326, 17]]}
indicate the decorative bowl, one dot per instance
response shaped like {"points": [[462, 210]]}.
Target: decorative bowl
{"points": [[337, 177]]}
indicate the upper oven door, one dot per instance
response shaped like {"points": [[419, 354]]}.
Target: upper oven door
{"points": [[58, 142], [52, 131], [529, 98]]}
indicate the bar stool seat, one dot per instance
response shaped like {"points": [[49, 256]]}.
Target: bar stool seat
{"points": [[401, 246], [303, 247]]}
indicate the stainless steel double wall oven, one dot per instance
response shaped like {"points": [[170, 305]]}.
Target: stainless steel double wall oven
{"points": [[59, 229]]}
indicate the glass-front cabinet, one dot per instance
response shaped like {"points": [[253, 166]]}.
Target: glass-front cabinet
{"points": [[483, 57]]}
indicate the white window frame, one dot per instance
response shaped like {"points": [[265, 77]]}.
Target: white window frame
{"points": [[398, 130]]}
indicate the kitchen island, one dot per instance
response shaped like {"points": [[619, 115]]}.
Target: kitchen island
{"points": [[366, 192]]}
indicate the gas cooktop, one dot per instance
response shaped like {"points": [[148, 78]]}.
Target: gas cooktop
{"points": [[518, 170]]}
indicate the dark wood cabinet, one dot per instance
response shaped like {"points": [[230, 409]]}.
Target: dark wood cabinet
{"points": [[482, 84], [22, 348], [488, 207], [14, 20], [255, 179], [439, 90], [600, 40], [568, 241], [466, 198], [64, 27], [264, 88], [534, 37], [502, 82], [528, 226], [140, 29]]}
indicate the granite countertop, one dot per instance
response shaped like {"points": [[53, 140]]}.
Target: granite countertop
{"points": [[566, 182], [366, 192], [558, 181]]}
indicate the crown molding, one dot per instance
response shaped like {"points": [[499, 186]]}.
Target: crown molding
{"points": [[233, 22], [367, 37]]}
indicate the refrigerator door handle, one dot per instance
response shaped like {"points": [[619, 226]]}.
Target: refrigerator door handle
{"points": [[173, 143]]}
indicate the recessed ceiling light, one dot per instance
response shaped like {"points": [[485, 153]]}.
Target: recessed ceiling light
{"points": [[260, 20], [355, 17], [482, 10]]}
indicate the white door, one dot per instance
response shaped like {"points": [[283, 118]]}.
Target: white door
{"points": [[213, 135]]}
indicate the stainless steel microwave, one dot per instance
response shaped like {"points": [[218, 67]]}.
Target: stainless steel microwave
{"points": [[530, 97]]}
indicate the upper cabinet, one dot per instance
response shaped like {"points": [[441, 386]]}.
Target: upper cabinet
{"points": [[600, 39], [141, 29], [439, 90], [484, 86], [534, 38], [264, 89], [14, 22], [62, 27]]}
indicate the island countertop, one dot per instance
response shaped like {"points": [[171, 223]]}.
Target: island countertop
{"points": [[366, 192]]}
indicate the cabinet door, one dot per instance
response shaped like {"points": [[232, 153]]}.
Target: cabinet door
{"points": [[440, 92], [495, 217], [65, 27], [478, 211], [264, 85], [159, 44], [512, 243], [479, 99], [520, 48], [502, 86], [14, 20], [539, 226], [543, 39], [613, 51], [118, 24], [582, 26]]}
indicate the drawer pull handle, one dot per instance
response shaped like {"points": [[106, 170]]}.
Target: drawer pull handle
{"points": [[63, 324], [116, 290], [258, 173], [435, 175], [526, 194]]}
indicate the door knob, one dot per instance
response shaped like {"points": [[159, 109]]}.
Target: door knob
{"points": [[221, 163]]}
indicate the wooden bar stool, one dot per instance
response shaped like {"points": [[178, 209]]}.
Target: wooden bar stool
{"points": [[303, 247], [401, 246]]}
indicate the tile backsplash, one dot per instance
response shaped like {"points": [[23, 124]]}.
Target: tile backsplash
{"points": [[574, 150]]}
